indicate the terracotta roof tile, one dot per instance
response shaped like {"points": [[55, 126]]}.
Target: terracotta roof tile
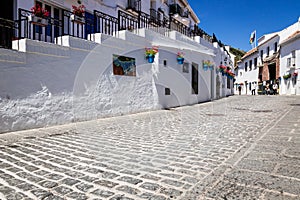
{"points": [[252, 51], [291, 36]]}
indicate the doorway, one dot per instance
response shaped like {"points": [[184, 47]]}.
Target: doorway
{"points": [[195, 78], [6, 32], [7, 9], [272, 71]]}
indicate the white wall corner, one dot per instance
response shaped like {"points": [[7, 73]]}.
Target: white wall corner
{"points": [[19, 45], [197, 39], [215, 44], [173, 35], [121, 35], [63, 40]]}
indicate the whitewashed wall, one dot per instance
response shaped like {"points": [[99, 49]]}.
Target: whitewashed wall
{"points": [[250, 75], [290, 86], [45, 84], [269, 44]]}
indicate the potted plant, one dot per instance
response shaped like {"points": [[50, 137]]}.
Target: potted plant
{"points": [[78, 14], [222, 69], [180, 58], [207, 64], [150, 53], [39, 16]]}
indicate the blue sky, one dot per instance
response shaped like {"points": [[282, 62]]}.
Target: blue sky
{"points": [[232, 21]]}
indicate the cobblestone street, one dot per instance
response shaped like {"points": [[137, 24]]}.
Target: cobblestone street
{"points": [[240, 147]]}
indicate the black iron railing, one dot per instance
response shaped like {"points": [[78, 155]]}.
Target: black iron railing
{"points": [[74, 25], [49, 29], [105, 23], [8, 32], [154, 15], [179, 27], [127, 21], [43, 29]]}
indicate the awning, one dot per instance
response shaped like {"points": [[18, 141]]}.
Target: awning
{"points": [[271, 58]]}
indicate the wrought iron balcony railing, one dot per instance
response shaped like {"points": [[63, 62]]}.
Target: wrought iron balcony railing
{"points": [[98, 22]]}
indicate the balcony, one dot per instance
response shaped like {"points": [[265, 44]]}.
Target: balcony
{"points": [[176, 9], [134, 5], [155, 16], [97, 22]]}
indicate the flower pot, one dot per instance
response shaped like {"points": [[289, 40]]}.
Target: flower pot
{"points": [[37, 20], [77, 19], [205, 67], [180, 60], [150, 58]]}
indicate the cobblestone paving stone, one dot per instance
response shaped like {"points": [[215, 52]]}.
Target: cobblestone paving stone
{"points": [[241, 147]]}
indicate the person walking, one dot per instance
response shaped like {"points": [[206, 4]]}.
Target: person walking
{"points": [[240, 89], [254, 89]]}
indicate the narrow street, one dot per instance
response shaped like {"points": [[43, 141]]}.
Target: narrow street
{"points": [[240, 147]]}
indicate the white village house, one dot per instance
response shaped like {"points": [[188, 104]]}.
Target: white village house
{"points": [[65, 67], [276, 59]]}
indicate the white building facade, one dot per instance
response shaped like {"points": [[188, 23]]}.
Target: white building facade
{"points": [[290, 64], [73, 70], [246, 75], [276, 60]]}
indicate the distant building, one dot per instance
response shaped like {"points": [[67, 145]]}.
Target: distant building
{"points": [[274, 61], [246, 75], [290, 64]]}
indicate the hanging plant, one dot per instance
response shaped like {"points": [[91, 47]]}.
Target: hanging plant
{"points": [[180, 57], [150, 53], [207, 64], [222, 69]]}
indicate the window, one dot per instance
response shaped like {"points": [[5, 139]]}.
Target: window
{"points": [[241, 73], [89, 27], [275, 47], [228, 83], [268, 51], [167, 91], [49, 30], [246, 66], [288, 63], [255, 63], [293, 58], [261, 55], [250, 65], [294, 54], [165, 63], [185, 67], [56, 13]]}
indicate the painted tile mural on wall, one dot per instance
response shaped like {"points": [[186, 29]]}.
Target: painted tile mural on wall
{"points": [[123, 65]]}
